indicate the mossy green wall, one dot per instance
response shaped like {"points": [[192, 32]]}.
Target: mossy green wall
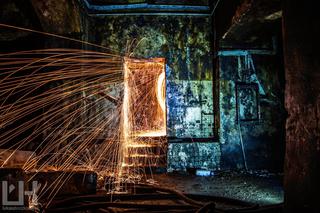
{"points": [[186, 44], [185, 41]]}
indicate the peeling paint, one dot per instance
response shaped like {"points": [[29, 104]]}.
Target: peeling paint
{"points": [[183, 156], [261, 138]]}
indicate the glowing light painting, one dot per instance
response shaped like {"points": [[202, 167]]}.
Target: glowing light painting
{"points": [[144, 113], [80, 110]]}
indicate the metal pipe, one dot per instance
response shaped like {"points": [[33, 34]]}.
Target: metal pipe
{"points": [[215, 7], [242, 146]]}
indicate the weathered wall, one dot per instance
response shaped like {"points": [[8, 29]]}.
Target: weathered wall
{"points": [[301, 42], [185, 43], [194, 156], [262, 135], [58, 16]]}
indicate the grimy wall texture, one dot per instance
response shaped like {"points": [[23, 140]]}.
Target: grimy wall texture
{"points": [[185, 43], [257, 120]]}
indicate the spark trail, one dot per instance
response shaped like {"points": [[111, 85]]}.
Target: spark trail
{"points": [[81, 110]]}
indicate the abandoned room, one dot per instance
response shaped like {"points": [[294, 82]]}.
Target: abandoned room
{"points": [[159, 106]]}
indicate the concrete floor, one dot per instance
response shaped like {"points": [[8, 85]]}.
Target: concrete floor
{"points": [[256, 187]]}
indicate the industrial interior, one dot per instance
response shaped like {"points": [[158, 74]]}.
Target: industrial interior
{"points": [[159, 106]]}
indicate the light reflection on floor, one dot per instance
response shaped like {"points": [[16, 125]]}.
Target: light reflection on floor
{"points": [[252, 188]]}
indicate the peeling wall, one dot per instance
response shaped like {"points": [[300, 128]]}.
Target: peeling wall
{"points": [[263, 138], [191, 109], [194, 155], [58, 16], [185, 43]]}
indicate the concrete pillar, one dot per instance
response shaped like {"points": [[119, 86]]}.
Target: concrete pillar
{"points": [[301, 29]]}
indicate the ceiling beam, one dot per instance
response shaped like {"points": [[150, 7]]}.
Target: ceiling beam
{"points": [[146, 9]]}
